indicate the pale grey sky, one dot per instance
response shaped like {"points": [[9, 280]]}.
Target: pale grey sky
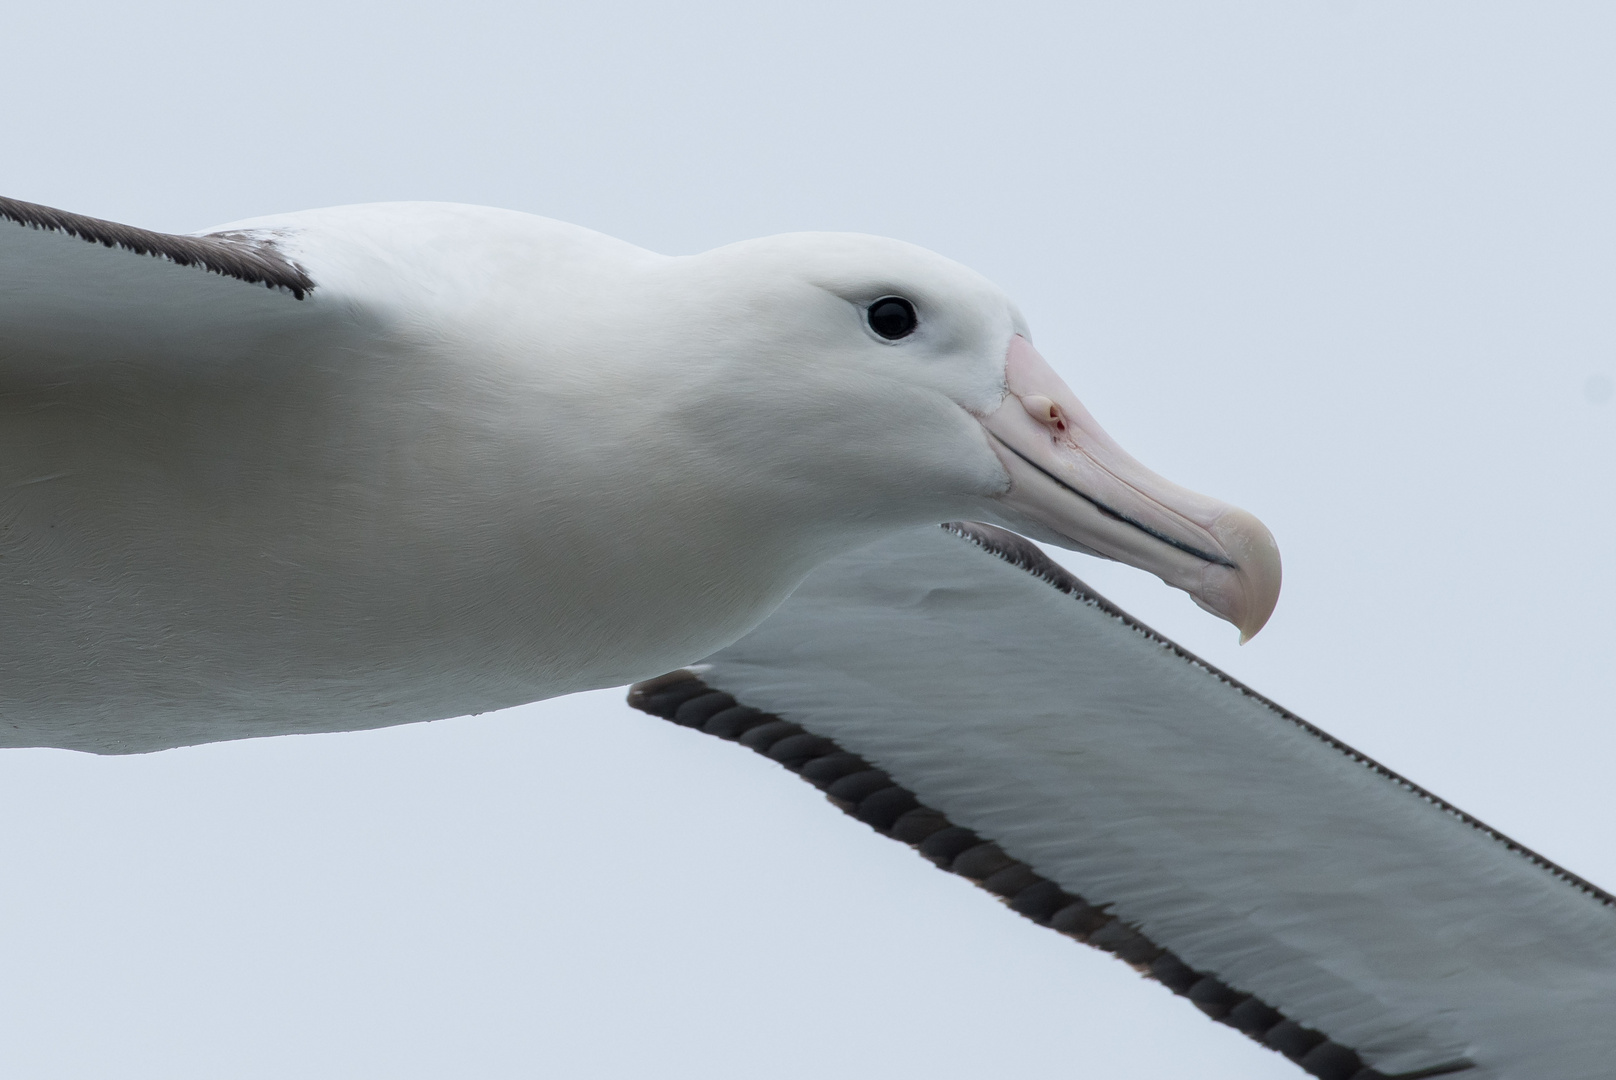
{"points": [[1349, 265]]}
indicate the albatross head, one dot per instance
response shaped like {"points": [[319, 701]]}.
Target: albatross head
{"points": [[912, 381]]}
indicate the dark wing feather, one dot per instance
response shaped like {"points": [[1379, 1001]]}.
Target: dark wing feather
{"points": [[242, 256]]}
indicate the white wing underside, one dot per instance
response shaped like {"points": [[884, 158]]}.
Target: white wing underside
{"points": [[1221, 827]]}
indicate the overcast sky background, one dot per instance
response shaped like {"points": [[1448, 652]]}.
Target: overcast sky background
{"points": [[1349, 265]]}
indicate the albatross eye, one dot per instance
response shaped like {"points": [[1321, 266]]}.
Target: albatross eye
{"points": [[893, 317]]}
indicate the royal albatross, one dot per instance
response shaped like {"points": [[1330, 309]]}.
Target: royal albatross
{"points": [[382, 464]]}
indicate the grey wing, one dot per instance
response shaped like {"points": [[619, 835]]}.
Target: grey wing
{"points": [[958, 691], [148, 381], [75, 289]]}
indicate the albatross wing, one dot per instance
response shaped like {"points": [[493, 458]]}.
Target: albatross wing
{"points": [[175, 423], [76, 289], [957, 690]]}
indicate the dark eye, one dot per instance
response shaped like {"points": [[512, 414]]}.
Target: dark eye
{"points": [[893, 317]]}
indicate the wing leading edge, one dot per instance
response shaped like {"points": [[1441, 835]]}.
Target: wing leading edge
{"points": [[245, 257], [1023, 732]]}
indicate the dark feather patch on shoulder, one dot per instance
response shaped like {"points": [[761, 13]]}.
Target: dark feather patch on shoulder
{"points": [[236, 255]]}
